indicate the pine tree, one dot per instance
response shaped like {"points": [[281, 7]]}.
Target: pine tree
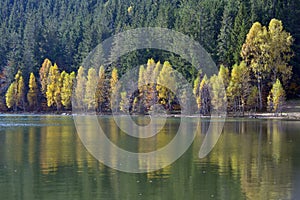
{"points": [[32, 95]]}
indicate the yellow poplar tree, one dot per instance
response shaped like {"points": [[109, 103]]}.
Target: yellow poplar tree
{"points": [[114, 99], [80, 88], [276, 97], [15, 95], [166, 85], [67, 88], [101, 90], [10, 96], [54, 87], [90, 97], [32, 95], [44, 70]]}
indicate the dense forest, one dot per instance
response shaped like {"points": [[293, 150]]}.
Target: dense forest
{"points": [[65, 32]]}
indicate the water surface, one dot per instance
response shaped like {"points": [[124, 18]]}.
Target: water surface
{"points": [[42, 157]]}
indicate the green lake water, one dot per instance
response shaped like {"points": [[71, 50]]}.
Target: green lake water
{"points": [[42, 157]]}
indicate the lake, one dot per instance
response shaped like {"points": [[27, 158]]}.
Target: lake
{"points": [[42, 157]]}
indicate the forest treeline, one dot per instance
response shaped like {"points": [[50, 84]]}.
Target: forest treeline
{"points": [[66, 31], [254, 84]]}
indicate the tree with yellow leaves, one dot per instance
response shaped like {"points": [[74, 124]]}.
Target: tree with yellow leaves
{"points": [[114, 90], [267, 52], [32, 95], [166, 85], [276, 97], [90, 97], [44, 71], [53, 93], [80, 89], [15, 95], [67, 88]]}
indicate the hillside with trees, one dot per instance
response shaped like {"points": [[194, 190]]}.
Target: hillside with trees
{"points": [[43, 44]]}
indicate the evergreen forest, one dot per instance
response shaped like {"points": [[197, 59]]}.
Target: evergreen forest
{"points": [[255, 44]]}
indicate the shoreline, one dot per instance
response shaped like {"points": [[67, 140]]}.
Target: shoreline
{"points": [[265, 115]]}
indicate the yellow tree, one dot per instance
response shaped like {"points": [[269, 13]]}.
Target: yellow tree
{"points": [[239, 87], [124, 103], [90, 97], [21, 92], [67, 88], [267, 52], [15, 95], [44, 70], [276, 97], [101, 90], [114, 89], [166, 85], [80, 88], [10, 96], [218, 96], [53, 93], [32, 95]]}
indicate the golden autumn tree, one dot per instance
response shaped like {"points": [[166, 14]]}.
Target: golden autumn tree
{"points": [[67, 88], [90, 97], [53, 93], [80, 88], [15, 95], [32, 95], [276, 97], [101, 90], [267, 51], [166, 85], [44, 70], [239, 87], [114, 90]]}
